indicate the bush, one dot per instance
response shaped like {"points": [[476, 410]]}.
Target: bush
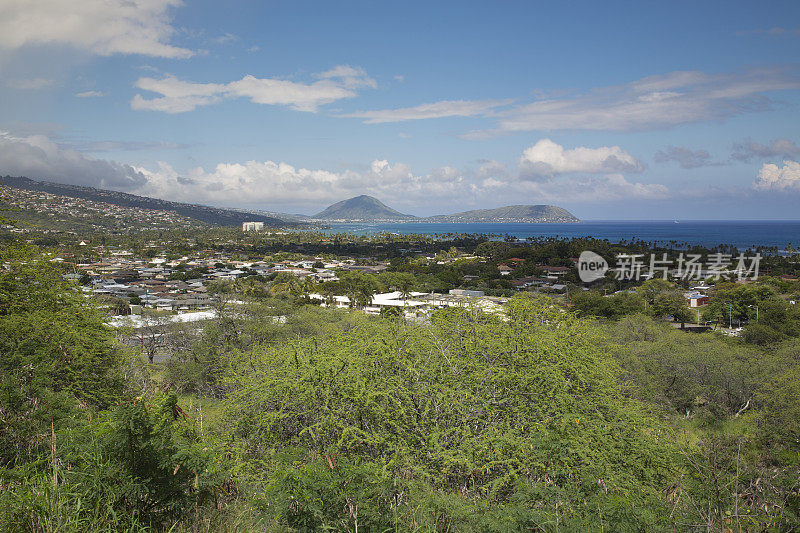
{"points": [[761, 335], [470, 405], [139, 464], [687, 373]]}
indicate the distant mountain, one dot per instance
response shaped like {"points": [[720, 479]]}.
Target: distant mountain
{"points": [[511, 213], [211, 215], [368, 209], [362, 208]]}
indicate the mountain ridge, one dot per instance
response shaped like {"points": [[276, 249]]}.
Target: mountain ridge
{"points": [[510, 213], [212, 215]]}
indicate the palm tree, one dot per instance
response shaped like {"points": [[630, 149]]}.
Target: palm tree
{"points": [[363, 296], [329, 297]]}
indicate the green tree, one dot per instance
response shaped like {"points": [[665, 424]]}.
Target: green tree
{"points": [[592, 303], [56, 352], [669, 303], [359, 288]]}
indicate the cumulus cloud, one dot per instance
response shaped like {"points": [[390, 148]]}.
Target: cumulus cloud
{"points": [[179, 96], [272, 183], [749, 150], [103, 27], [547, 159], [651, 103], [492, 170], [39, 158], [280, 185], [275, 183], [442, 109], [685, 157], [552, 173], [771, 177]]}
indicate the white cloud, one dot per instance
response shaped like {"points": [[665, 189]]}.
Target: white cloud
{"points": [[37, 157], [30, 84], [350, 77], [103, 27], [651, 103], [685, 157], [282, 186], [749, 150], [492, 170], [592, 189], [273, 183], [774, 178], [546, 159], [442, 109], [299, 96], [226, 37], [90, 94], [551, 173], [179, 96]]}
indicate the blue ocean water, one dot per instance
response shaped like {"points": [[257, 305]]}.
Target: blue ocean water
{"points": [[742, 234]]}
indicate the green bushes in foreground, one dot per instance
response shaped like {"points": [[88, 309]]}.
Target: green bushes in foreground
{"points": [[517, 418], [140, 464]]}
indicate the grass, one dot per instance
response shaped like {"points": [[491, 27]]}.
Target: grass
{"points": [[206, 410]]}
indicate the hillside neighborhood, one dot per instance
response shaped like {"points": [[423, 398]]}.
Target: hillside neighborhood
{"points": [[126, 283]]}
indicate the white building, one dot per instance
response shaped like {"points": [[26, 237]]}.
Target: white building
{"points": [[252, 226]]}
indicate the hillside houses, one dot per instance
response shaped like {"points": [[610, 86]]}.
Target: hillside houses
{"points": [[121, 280], [93, 215], [162, 284]]}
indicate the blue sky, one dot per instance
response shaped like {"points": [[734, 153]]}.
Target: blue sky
{"points": [[612, 110]]}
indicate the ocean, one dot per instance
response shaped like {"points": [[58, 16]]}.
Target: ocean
{"points": [[739, 233]]}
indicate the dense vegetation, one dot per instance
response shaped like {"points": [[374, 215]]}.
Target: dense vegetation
{"points": [[279, 415]]}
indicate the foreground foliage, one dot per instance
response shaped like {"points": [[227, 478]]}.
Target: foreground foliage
{"points": [[520, 416], [532, 420]]}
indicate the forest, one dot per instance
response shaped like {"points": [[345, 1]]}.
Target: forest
{"points": [[281, 415]]}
